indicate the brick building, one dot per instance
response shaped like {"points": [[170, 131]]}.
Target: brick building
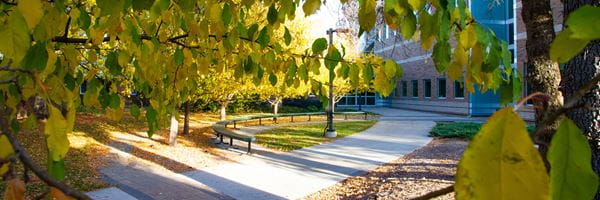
{"points": [[422, 88]]}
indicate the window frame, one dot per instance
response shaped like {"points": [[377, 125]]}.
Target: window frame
{"points": [[427, 89], [439, 88], [415, 88], [456, 82]]}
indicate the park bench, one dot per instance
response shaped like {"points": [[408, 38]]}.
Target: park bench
{"points": [[221, 128]]}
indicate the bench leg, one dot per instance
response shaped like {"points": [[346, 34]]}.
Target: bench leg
{"points": [[292, 118], [234, 125], [221, 136], [249, 148], [309, 118], [230, 141]]}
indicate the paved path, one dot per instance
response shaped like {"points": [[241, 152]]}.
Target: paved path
{"points": [[295, 174]]}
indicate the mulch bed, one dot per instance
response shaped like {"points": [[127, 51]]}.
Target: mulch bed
{"points": [[424, 170]]}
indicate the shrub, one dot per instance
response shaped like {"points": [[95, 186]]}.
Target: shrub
{"points": [[463, 130]]}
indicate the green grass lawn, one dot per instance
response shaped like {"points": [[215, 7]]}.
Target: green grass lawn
{"points": [[464, 130], [297, 136]]}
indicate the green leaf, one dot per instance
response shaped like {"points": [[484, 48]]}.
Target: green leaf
{"points": [[303, 72], [252, 30], [367, 14], [319, 45], [139, 5], [585, 22], [287, 37], [178, 56], [36, 57], [272, 14], [115, 101], [6, 150], [273, 79], [565, 47], [409, 25], [135, 111], [56, 168], [84, 19], [417, 4], [32, 10], [390, 68], [263, 38], [226, 15], [15, 37], [56, 129], [571, 173], [441, 55], [344, 71], [311, 6], [151, 119], [332, 58], [501, 162], [354, 75], [367, 73], [112, 63]]}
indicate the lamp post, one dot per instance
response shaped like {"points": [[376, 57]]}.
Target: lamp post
{"points": [[330, 132]]}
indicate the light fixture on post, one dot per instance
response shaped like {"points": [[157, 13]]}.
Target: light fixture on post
{"points": [[330, 132]]}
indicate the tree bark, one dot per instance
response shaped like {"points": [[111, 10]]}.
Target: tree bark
{"points": [[578, 71], [173, 130], [276, 108], [186, 120], [543, 74], [223, 113]]}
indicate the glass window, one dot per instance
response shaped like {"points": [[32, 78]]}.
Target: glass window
{"points": [[441, 88], [511, 35], [459, 90], [415, 88], [404, 89], [427, 87]]}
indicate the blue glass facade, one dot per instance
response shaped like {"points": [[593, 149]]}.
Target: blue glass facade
{"points": [[499, 17]]}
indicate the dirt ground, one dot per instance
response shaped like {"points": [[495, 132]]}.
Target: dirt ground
{"points": [[426, 169]]}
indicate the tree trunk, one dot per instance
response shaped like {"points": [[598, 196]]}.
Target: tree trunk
{"points": [[186, 119], [173, 130], [223, 113], [578, 71], [544, 74], [276, 108]]}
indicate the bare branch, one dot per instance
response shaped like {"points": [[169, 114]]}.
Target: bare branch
{"points": [[39, 172], [572, 103]]}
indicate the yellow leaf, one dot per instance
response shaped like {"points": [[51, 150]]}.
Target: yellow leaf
{"points": [[468, 37], [502, 163], [6, 151], [32, 11], [14, 36], [188, 58], [56, 129], [15, 190], [59, 195]]}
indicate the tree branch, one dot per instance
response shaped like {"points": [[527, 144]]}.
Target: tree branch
{"points": [[28, 162], [572, 102], [435, 193]]}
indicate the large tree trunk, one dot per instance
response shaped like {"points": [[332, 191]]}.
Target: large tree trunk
{"points": [[223, 113], [173, 130], [577, 72], [186, 120], [544, 75]]}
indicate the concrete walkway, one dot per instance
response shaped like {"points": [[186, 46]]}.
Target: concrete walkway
{"points": [[298, 173]]}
